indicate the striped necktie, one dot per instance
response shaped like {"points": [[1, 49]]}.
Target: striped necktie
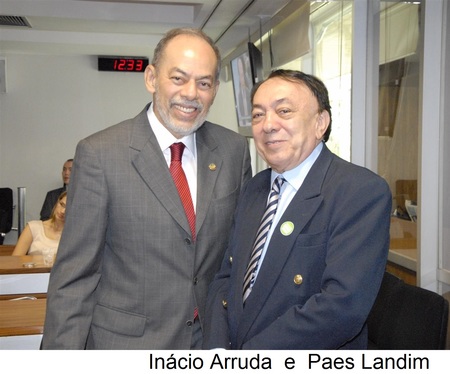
{"points": [[261, 237]]}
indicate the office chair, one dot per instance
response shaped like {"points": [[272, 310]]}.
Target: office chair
{"points": [[407, 317], [6, 212]]}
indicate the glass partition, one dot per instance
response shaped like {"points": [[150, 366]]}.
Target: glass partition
{"points": [[444, 261], [330, 59], [398, 127]]}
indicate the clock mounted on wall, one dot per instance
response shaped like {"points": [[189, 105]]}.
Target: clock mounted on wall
{"points": [[122, 63]]}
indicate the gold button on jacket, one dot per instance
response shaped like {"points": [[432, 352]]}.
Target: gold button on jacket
{"points": [[298, 279]]}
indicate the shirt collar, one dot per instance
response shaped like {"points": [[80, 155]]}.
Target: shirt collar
{"points": [[297, 175]]}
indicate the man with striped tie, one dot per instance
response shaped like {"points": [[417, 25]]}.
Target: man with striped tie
{"points": [[310, 240]]}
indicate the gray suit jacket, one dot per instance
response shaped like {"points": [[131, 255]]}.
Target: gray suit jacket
{"points": [[127, 275], [316, 285]]}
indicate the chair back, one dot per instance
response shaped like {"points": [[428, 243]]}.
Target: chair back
{"points": [[6, 212], [407, 317]]}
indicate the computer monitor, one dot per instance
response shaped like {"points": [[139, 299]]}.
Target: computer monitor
{"points": [[246, 70]]}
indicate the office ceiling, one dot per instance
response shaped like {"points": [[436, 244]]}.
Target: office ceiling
{"points": [[125, 27]]}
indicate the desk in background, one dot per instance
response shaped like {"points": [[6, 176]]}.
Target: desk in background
{"points": [[17, 278], [6, 249], [22, 323], [18, 265], [402, 257]]}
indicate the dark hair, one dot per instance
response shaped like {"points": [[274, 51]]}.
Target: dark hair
{"points": [[60, 197], [315, 85], [171, 34]]}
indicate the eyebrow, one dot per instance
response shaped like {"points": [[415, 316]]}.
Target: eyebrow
{"points": [[283, 100], [276, 102], [178, 70]]}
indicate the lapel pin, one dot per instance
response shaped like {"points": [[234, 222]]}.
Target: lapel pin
{"points": [[287, 228], [212, 167]]}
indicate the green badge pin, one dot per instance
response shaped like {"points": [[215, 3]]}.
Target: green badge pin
{"points": [[287, 228]]}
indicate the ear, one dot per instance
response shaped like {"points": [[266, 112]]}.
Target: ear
{"points": [[323, 121], [149, 78]]}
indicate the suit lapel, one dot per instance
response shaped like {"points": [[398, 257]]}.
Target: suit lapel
{"points": [[208, 168], [150, 163], [255, 205], [301, 209], [255, 198]]}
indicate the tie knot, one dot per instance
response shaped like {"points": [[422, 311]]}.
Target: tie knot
{"points": [[278, 183], [176, 151]]}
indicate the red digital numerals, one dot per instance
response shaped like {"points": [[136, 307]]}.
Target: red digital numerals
{"points": [[128, 64]]}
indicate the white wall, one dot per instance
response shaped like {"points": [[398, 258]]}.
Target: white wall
{"points": [[54, 101]]}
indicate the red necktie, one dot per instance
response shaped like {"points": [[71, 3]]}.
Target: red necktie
{"points": [[176, 151]]}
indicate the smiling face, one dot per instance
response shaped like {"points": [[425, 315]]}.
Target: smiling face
{"points": [[183, 84], [286, 123]]}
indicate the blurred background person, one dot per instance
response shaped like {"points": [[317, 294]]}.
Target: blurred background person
{"points": [[39, 235], [52, 196]]}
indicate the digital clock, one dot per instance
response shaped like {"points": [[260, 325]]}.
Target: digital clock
{"points": [[131, 64]]}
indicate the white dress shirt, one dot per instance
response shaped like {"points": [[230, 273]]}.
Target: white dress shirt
{"points": [[189, 159]]}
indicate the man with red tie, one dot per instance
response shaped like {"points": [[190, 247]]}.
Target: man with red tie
{"points": [[132, 270]]}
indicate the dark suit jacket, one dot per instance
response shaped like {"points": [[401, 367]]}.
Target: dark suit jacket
{"points": [[127, 275], [50, 200], [316, 286]]}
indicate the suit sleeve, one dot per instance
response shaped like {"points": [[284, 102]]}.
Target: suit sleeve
{"points": [[215, 323], [77, 269], [216, 327], [216, 334]]}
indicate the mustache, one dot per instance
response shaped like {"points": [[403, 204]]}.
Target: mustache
{"points": [[188, 103]]}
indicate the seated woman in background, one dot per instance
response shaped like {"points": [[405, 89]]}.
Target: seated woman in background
{"points": [[38, 235]]}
